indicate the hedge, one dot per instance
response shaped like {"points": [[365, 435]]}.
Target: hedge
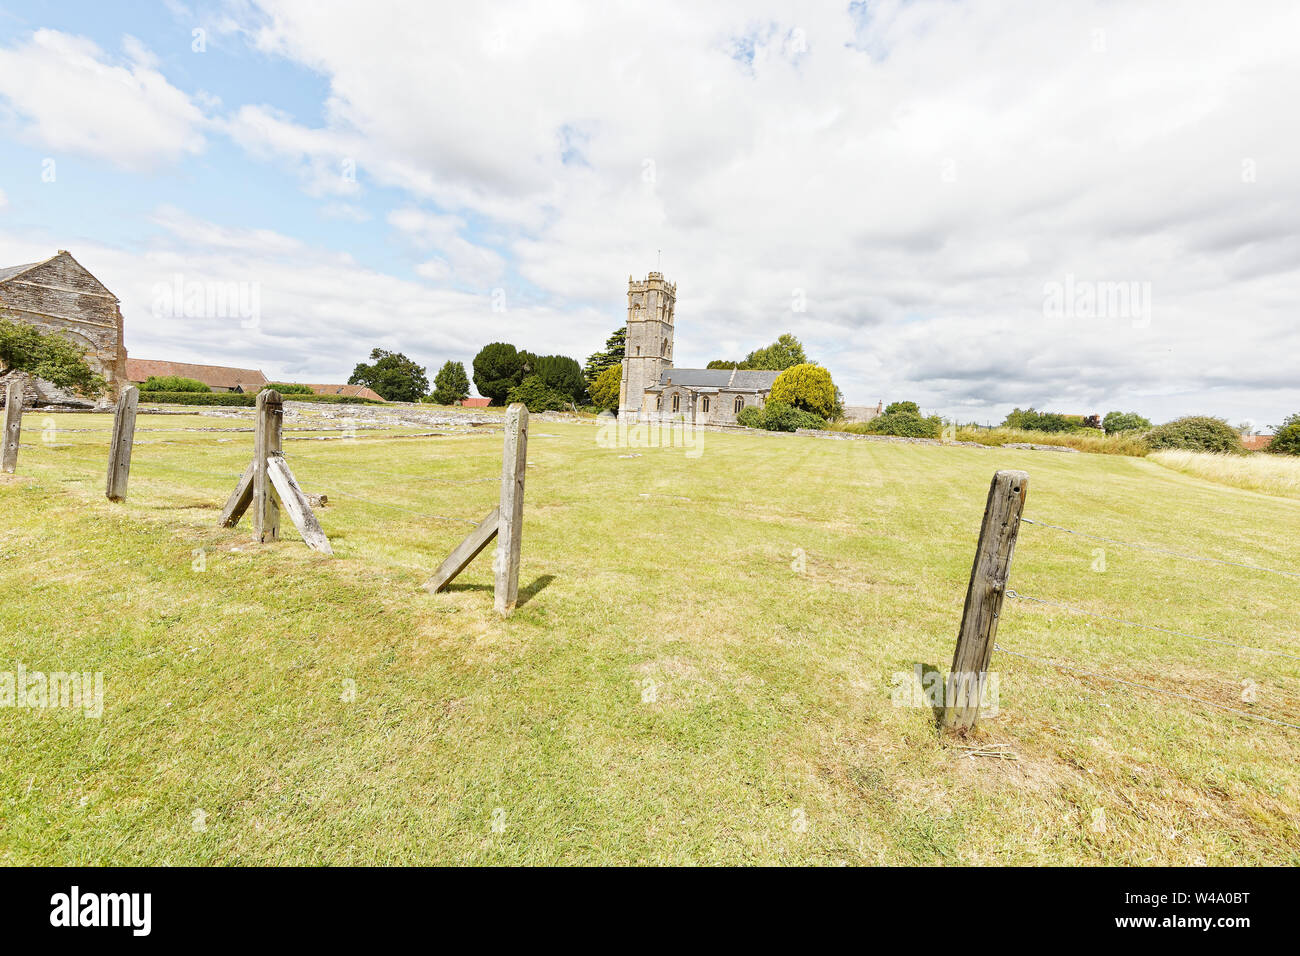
{"points": [[244, 399]]}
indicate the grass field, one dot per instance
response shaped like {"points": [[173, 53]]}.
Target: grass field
{"points": [[1271, 474], [700, 670]]}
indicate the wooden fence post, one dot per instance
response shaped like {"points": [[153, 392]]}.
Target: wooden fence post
{"points": [[13, 424], [514, 461], [266, 442], [119, 453], [988, 582]]}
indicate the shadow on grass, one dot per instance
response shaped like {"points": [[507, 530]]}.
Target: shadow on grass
{"points": [[526, 594]]}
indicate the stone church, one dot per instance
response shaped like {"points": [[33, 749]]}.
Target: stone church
{"points": [[653, 390], [60, 295]]}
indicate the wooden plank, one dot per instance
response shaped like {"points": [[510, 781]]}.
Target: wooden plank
{"points": [[514, 461], [465, 552], [13, 424], [239, 499], [295, 502], [119, 452], [988, 582], [266, 442]]}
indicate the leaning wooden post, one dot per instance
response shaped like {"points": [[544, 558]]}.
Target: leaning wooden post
{"points": [[119, 453], [266, 442], [13, 424], [988, 583], [514, 461]]}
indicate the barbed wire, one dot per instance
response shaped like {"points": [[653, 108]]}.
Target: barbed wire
{"points": [[1155, 690], [136, 462], [1017, 596], [1159, 550]]}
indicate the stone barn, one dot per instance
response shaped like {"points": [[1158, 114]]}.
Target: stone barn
{"points": [[61, 295]]}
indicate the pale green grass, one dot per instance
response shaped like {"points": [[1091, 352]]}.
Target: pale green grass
{"points": [[671, 689], [1271, 474]]}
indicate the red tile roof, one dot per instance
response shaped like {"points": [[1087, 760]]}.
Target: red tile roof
{"points": [[1256, 442], [355, 391], [475, 402], [213, 376]]}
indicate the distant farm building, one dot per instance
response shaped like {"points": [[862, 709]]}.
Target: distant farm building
{"points": [[474, 402], [60, 295], [1256, 442], [219, 378]]}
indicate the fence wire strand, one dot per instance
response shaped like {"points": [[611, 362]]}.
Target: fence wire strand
{"points": [[1017, 596], [1158, 550], [1154, 690]]}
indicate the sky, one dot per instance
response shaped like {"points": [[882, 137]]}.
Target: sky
{"points": [[1082, 206]]}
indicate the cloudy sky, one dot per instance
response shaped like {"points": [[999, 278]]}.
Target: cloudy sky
{"points": [[1081, 206]]}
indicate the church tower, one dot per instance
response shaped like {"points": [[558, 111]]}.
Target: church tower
{"points": [[649, 338]]}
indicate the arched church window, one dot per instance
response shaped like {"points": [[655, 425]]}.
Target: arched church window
{"points": [[704, 404], [677, 402], [663, 349], [740, 403]]}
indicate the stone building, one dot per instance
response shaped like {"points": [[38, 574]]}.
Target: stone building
{"points": [[653, 390], [60, 295]]}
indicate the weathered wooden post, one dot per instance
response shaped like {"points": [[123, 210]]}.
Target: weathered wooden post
{"points": [[13, 424], [988, 582], [514, 462], [266, 442], [119, 453]]}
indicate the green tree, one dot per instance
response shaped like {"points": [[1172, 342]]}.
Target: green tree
{"points": [[1116, 422], [173, 383], [393, 376], [535, 394], [451, 384], [605, 390], [722, 363], [615, 349], [806, 386], [786, 352], [894, 408], [1286, 437], [564, 375], [47, 355], [498, 368], [905, 424]]}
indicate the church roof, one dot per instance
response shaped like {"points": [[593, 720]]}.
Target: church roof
{"points": [[746, 380], [8, 272]]}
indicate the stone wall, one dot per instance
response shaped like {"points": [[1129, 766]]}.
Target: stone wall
{"points": [[61, 295]]}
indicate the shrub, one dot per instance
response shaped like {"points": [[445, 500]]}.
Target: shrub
{"points": [[173, 383], [1195, 433], [1116, 422], [808, 387], [533, 392], [784, 417], [288, 388], [47, 355], [1035, 421], [1286, 437], [245, 399], [751, 416], [894, 408], [905, 425], [605, 390]]}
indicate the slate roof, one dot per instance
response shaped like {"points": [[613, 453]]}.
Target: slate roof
{"points": [[736, 380], [8, 272]]}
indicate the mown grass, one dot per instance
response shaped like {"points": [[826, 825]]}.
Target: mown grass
{"points": [[1271, 474], [700, 670]]}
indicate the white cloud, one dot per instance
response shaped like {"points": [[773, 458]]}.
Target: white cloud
{"points": [[63, 93], [919, 177]]}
